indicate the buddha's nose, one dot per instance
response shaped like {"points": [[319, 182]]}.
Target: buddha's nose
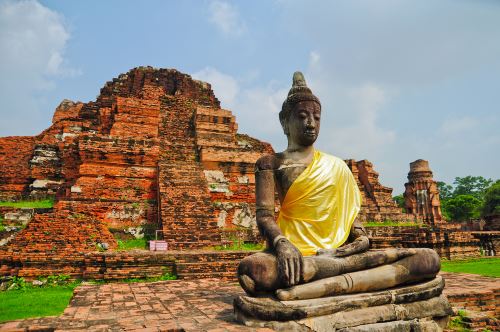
{"points": [[310, 124]]}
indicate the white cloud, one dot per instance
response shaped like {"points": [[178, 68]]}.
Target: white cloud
{"points": [[458, 125], [360, 135], [314, 58], [351, 112], [225, 87], [257, 113], [33, 40], [226, 18], [256, 107]]}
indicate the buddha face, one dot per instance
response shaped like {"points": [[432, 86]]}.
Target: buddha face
{"points": [[302, 127]]}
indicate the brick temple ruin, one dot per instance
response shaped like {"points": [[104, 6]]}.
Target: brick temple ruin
{"points": [[422, 194], [156, 152]]}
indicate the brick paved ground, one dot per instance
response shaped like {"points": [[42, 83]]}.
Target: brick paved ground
{"points": [[178, 305]]}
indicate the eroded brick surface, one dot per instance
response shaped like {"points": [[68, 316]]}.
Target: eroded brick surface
{"points": [[422, 194], [377, 202]]}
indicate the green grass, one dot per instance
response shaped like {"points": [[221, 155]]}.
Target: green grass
{"points": [[165, 276], [240, 246], [489, 267], [40, 204], [34, 302], [132, 244], [392, 223], [457, 323]]}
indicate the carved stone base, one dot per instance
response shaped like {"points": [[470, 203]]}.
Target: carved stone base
{"points": [[410, 308]]}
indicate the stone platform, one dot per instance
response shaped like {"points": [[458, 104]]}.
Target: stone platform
{"points": [[406, 308], [182, 305]]}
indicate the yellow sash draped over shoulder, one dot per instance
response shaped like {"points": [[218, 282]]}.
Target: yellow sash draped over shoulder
{"points": [[320, 206]]}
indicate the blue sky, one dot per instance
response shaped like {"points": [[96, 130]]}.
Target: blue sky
{"points": [[398, 80]]}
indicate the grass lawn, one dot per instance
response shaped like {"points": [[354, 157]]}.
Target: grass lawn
{"points": [[41, 204], [489, 267], [34, 302], [240, 246], [392, 223], [132, 244]]}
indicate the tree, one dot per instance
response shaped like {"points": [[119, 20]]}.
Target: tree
{"points": [[400, 201], [491, 204], [463, 207], [445, 191], [471, 185]]}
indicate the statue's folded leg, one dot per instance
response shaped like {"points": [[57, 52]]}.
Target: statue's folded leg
{"points": [[258, 273], [423, 264]]}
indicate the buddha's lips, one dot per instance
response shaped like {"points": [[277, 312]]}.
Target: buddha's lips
{"points": [[310, 133]]}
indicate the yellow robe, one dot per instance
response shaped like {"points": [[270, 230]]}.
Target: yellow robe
{"points": [[320, 206]]}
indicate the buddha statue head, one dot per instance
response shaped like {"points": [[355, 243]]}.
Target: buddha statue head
{"points": [[300, 114]]}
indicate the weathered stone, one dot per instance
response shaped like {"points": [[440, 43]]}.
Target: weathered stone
{"points": [[268, 308], [436, 307]]}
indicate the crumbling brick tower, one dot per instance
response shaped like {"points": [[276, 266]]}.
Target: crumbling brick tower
{"points": [[376, 203], [422, 194], [155, 150]]}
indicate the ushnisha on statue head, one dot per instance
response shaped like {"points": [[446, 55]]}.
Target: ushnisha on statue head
{"points": [[300, 114]]}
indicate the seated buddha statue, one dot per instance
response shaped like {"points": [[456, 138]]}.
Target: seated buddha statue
{"points": [[316, 247]]}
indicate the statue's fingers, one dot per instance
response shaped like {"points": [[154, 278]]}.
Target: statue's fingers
{"points": [[291, 269], [297, 270], [286, 272]]}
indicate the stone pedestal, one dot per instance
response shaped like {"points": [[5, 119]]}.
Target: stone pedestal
{"points": [[419, 307]]}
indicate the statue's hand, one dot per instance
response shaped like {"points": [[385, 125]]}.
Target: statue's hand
{"points": [[290, 262], [327, 252], [335, 252], [360, 245]]}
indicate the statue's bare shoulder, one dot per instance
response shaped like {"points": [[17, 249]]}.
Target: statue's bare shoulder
{"points": [[270, 162], [284, 169]]}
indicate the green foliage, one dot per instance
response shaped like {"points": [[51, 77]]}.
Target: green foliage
{"points": [[462, 207], [491, 204], [240, 246], [457, 323], [17, 283], [40, 204], [36, 302], [165, 276], [489, 267], [400, 201], [471, 185], [54, 280], [168, 276], [132, 244], [445, 191], [466, 199], [392, 223]]}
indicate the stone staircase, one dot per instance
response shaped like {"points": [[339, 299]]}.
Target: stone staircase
{"points": [[184, 201]]}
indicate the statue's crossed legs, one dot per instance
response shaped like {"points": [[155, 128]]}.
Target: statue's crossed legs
{"points": [[324, 275]]}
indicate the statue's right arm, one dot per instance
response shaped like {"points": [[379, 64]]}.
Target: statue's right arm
{"points": [[264, 198], [290, 261]]}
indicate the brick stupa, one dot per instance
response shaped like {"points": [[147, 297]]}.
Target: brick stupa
{"points": [[153, 151]]}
